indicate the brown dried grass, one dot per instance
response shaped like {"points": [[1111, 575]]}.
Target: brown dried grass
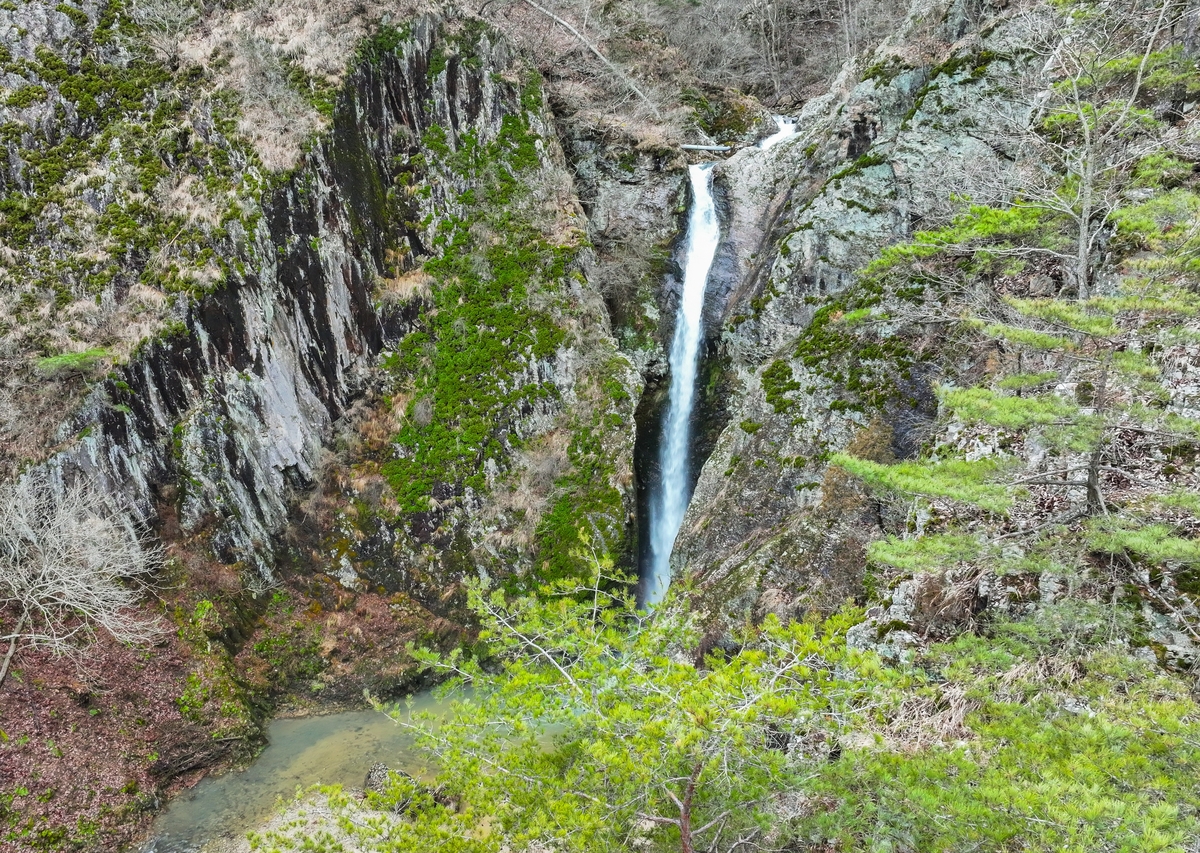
{"points": [[924, 721]]}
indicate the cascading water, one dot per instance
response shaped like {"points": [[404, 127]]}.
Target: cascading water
{"points": [[787, 127], [670, 502]]}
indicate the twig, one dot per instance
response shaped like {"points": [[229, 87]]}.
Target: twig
{"points": [[12, 646]]}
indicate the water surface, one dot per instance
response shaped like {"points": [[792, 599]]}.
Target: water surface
{"points": [[334, 749]]}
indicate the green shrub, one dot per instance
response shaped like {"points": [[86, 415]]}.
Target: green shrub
{"points": [[27, 96]]}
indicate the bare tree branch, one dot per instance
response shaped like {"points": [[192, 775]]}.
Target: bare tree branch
{"points": [[70, 565], [617, 72]]}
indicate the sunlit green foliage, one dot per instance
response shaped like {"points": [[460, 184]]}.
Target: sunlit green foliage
{"points": [[1025, 337], [926, 553], [1158, 543], [957, 479], [1068, 315], [1067, 744], [1021, 381], [586, 727], [73, 361], [1074, 382], [983, 405], [592, 726]]}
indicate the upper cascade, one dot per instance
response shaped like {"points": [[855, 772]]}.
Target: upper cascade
{"points": [[786, 129]]}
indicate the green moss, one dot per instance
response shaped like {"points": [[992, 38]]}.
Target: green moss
{"points": [[437, 62], [138, 115], [855, 358], [26, 96], [480, 334], [726, 117], [77, 16], [884, 72], [73, 361], [973, 64], [385, 40], [587, 515], [318, 91], [866, 161], [777, 382]]}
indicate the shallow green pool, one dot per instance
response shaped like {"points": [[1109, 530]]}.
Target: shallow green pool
{"points": [[338, 748]]}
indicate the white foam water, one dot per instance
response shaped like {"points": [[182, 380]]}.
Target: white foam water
{"points": [[787, 128], [669, 504]]}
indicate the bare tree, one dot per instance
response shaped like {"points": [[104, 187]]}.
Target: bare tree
{"points": [[595, 51], [69, 565]]}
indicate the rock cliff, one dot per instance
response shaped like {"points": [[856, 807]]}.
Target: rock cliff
{"points": [[873, 160], [225, 409]]}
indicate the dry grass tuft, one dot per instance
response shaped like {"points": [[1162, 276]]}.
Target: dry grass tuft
{"points": [[525, 493], [924, 721], [405, 286]]}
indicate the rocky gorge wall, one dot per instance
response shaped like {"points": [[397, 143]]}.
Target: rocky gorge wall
{"points": [[225, 411]]}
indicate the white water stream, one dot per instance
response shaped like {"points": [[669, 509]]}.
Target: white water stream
{"points": [[787, 127], [668, 505]]}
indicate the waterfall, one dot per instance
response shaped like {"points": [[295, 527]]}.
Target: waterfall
{"points": [[786, 127], [668, 505]]}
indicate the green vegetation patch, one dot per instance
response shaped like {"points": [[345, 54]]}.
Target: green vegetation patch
{"points": [[587, 517], [480, 339], [777, 383], [1067, 744], [726, 117], [136, 119], [81, 362], [1041, 735], [855, 356]]}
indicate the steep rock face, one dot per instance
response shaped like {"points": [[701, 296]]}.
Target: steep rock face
{"points": [[635, 199], [769, 528], [226, 411], [498, 436]]}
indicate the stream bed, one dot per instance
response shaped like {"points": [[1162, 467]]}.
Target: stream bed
{"points": [[301, 752]]}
